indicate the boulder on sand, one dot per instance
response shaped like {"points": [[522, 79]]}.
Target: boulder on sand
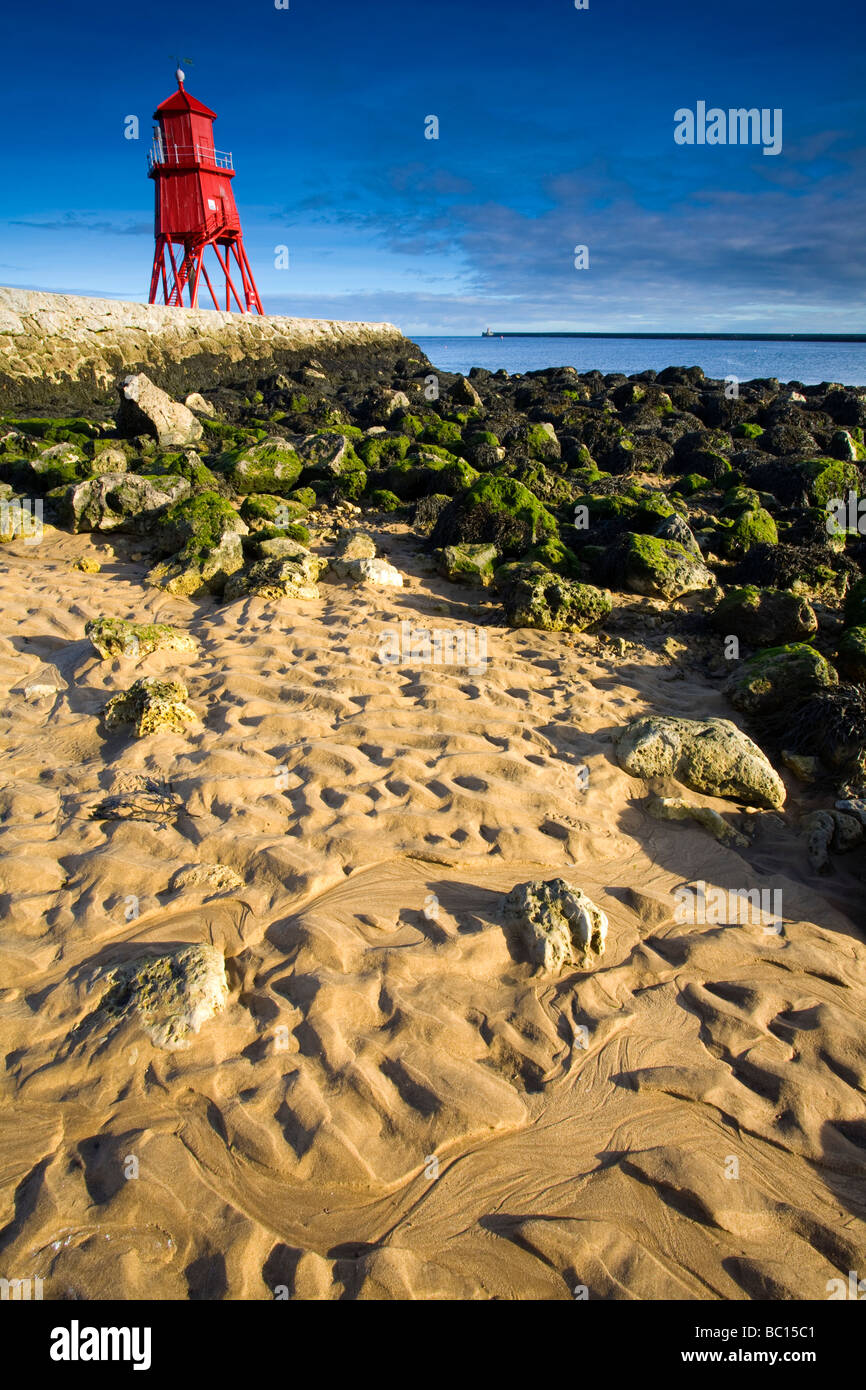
{"points": [[557, 924], [711, 756], [172, 994]]}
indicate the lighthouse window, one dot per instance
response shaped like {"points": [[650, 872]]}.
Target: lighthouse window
{"points": [[211, 204]]}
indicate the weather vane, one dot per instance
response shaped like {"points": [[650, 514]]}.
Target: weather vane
{"points": [[181, 64]]}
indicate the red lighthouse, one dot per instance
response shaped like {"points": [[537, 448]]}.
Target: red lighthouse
{"points": [[195, 208]]}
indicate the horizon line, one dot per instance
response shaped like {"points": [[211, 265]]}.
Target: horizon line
{"points": [[683, 336]]}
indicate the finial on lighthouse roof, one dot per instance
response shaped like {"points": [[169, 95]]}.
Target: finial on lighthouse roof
{"points": [[180, 75]]}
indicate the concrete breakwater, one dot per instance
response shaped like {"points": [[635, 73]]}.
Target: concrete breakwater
{"points": [[63, 353]]}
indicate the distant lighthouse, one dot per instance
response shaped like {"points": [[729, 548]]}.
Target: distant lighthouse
{"points": [[195, 209]]}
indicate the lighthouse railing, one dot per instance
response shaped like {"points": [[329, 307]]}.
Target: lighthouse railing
{"points": [[162, 154]]}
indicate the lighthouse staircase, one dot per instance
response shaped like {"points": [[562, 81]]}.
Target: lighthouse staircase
{"points": [[199, 238]]}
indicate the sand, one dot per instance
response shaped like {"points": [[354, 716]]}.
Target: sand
{"points": [[392, 1104]]}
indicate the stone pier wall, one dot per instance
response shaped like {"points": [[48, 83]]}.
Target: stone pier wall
{"points": [[60, 354]]}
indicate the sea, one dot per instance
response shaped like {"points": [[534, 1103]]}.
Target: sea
{"points": [[805, 362]]}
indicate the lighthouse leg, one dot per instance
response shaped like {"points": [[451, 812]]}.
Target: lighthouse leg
{"points": [[193, 301], [158, 264], [176, 287], [253, 294]]}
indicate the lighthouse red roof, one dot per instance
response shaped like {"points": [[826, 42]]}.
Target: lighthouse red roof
{"points": [[182, 101]]}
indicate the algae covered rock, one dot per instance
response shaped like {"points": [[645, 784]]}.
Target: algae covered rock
{"points": [[171, 995], [778, 677], [208, 532], [150, 705], [708, 755], [753, 526], [268, 515], [114, 637], [659, 568], [535, 597], [467, 564], [145, 409], [277, 577], [118, 501], [765, 617], [272, 466], [557, 925], [194, 571], [498, 511], [330, 462]]}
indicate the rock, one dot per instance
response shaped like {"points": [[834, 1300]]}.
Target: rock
{"points": [[198, 405], [676, 528], [331, 458], [145, 409], [114, 637], [392, 403], [151, 705], [264, 513], [753, 526], [467, 564], [675, 808], [711, 756], [194, 571], [855, 604], [851, 654], [496, 510], [59, 465], [765, 617], [358, 545], [276, 578], [87, 565], [557, 924], [818, 829], [463, 393], [428, 511], [778, 677], [854, 806], [848, 832], [109, 461], [42, 684], [172, 995], [272, 466], [119, 501], [535, 597], [804, 768], [376, 572], [219, 878], [660, 569], [281, 548], [206, 531]]}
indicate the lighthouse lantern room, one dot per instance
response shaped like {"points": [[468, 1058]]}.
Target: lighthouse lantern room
{"points": [[195, 210]]}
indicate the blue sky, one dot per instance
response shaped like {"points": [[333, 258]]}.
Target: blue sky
{"points": [[555, 130]]}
